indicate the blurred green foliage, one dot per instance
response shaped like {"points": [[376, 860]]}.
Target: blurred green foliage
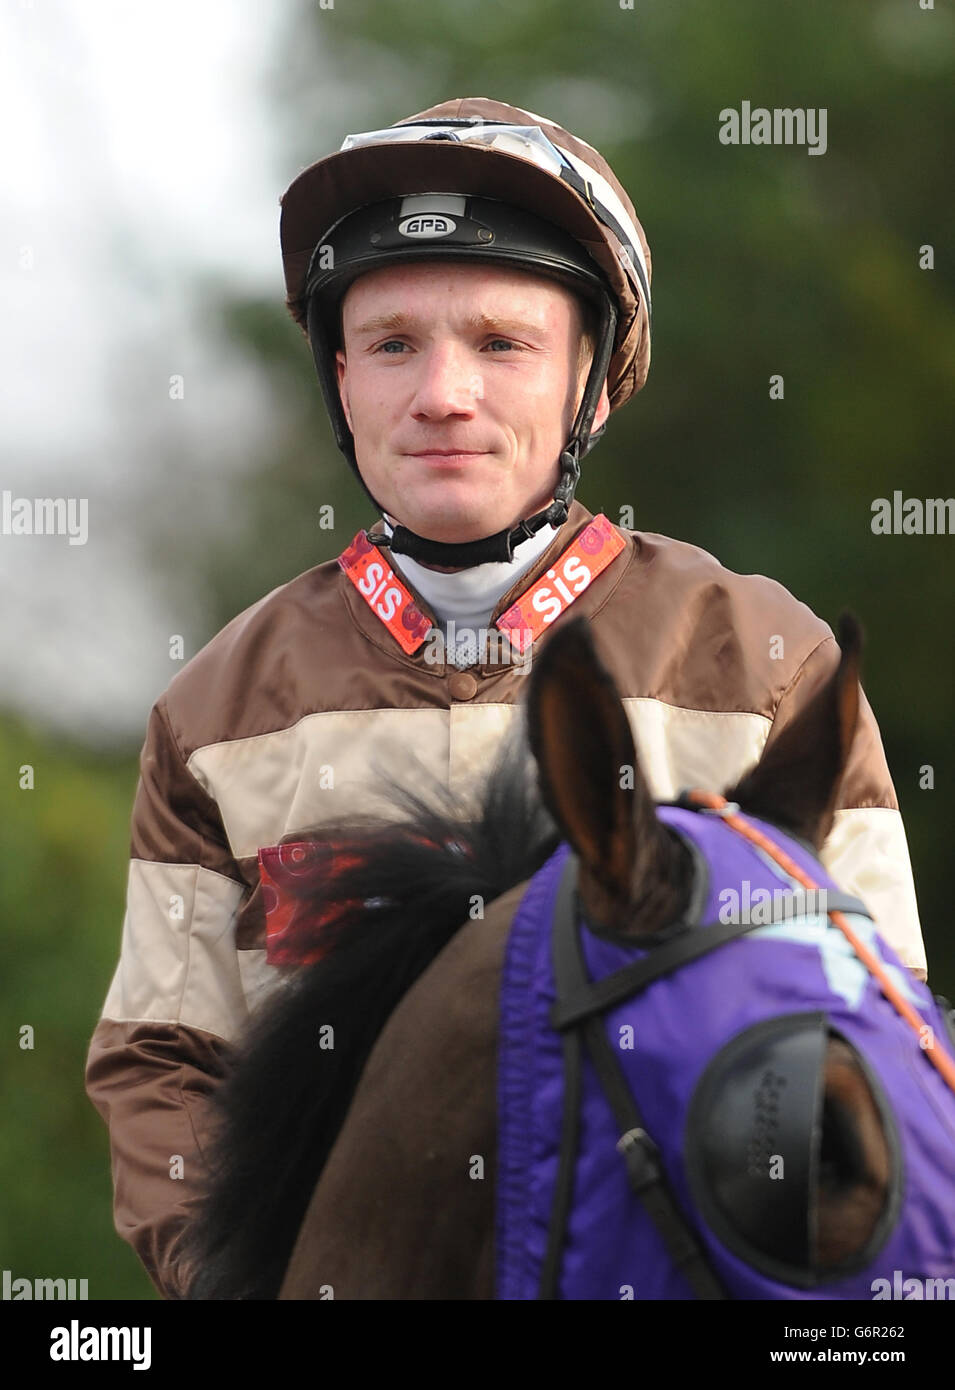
{"points": [[65, 851], [766, 260]]}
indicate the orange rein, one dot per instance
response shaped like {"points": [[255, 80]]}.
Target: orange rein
{"points": [[940, 1059]]}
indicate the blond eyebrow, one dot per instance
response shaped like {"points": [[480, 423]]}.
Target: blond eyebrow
{"points": [[398, 322], [388, 323]]}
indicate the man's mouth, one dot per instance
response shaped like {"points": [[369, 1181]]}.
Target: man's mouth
{"points": [[447, 458]]}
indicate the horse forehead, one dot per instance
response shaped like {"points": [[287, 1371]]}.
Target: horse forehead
{"points": [[733, 862]]}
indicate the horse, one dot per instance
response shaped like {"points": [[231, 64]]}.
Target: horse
{"points": [[358, 1149]]}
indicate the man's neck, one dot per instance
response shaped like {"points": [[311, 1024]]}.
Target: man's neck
{"points": [[454, 569]]}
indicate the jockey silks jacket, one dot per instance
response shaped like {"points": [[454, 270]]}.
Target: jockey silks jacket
{"points": [[283, 721]]}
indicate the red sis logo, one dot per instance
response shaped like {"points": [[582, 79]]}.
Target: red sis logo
{"points": [[586, 557]]}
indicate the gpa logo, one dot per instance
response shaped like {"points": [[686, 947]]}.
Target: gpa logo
{"points": [[425, 225]]}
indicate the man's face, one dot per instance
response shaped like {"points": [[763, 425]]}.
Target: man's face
{"points": [[460, 384]]}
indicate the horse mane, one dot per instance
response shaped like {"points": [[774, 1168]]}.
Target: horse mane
{"points": [[399, 900]]}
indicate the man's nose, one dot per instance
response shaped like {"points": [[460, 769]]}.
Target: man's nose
{"points": [[448, 383]]}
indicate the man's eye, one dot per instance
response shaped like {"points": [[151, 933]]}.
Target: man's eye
{"points": [[501, 342], [391, 343]]}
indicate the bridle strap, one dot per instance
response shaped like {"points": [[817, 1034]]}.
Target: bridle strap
{"points": [[644, 1169], [728, 813], [594, 997]]}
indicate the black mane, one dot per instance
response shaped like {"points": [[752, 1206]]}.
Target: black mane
{"points": [[284, 1100]]}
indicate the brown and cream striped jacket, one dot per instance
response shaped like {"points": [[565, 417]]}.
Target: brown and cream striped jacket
{"points": [[309, 679]]}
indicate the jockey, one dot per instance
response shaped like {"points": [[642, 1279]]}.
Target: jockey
{"points": [[474, 286]]}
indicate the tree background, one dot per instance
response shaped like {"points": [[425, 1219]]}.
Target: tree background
{"points": [[766, 260]]}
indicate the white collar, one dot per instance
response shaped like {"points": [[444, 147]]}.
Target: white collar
{"points": [[470, 596]]}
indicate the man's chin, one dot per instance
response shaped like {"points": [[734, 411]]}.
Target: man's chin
{"points": [[448, 520]]}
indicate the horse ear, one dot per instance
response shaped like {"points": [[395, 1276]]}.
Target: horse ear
{"points": [[796, 782], [590, 778]]}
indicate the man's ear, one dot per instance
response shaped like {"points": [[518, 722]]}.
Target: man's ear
{"points": [[342, 388], [603, 409], [603, 401]]}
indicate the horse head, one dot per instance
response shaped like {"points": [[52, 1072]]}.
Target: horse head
{"points": [[635, 880]]}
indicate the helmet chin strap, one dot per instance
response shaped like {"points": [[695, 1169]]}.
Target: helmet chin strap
{"points": [[500, 546]]}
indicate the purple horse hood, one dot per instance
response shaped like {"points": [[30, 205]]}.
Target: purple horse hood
{"points": [[676, 1042]]}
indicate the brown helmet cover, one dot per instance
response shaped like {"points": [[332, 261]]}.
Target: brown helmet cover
{"points": [[345, 181]]}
